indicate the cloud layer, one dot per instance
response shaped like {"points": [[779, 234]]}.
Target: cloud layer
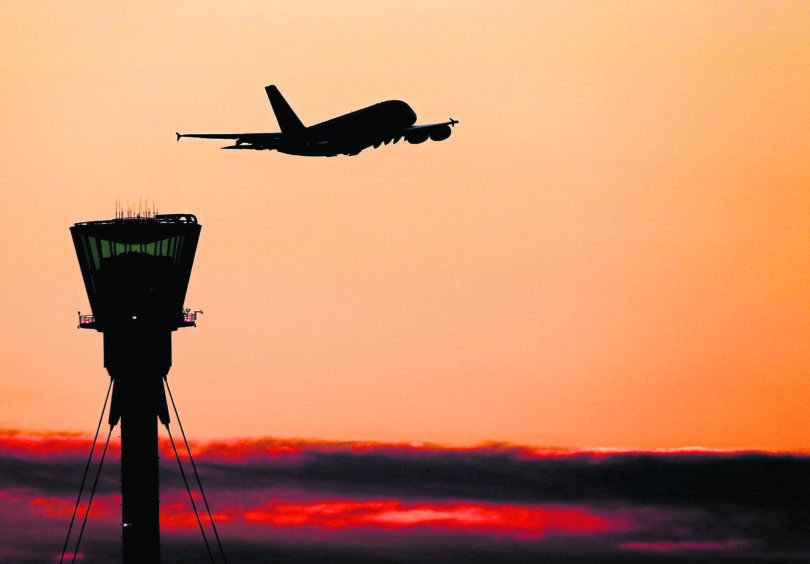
{"points": [[367, 502]]}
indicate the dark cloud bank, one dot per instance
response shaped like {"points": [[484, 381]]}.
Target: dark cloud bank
{"points": [[625, 507]]}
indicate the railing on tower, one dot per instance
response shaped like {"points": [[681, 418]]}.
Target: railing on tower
{"points": [[189, 319]]}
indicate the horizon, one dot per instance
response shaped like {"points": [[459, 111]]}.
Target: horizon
{"points": [[360, 444]]}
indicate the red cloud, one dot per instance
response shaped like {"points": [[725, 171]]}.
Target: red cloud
{"points": [[521, 521], [22, 444], [513, 520]]}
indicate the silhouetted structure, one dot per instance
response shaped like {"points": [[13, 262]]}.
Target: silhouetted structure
{"points": [[383, 123], [136, 272]]}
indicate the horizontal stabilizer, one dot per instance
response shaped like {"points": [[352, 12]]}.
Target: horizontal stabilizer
{"points": [[213, 135]]}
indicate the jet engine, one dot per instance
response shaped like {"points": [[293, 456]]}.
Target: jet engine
{"points": [[416, 137], [440, 133]]}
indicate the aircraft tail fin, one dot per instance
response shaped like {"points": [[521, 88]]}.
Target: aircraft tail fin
{"points": [[287, 120]]}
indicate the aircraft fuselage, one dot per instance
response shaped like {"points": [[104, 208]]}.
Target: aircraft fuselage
{"points": [[352, 132]]}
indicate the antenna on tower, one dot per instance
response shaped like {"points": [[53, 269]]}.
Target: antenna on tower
{"points": [[146, 209]]}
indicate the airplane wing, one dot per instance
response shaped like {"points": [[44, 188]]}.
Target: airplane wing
{"points": [[452, 122], [242, 140], [435, 131]]}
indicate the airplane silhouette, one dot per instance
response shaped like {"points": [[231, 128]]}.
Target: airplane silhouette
{"points": [[383, 123]]}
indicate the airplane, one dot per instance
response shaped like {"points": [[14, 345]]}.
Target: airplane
{"points": [[383, 123]]}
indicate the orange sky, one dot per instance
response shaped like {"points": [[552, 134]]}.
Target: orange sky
{"points": [[611, 250]]}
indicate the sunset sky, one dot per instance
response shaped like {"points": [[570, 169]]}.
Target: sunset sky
{"points": [[561, 331], [610, 251]]}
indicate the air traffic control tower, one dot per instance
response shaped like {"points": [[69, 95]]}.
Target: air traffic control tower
{"points": [[136, 271]]}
